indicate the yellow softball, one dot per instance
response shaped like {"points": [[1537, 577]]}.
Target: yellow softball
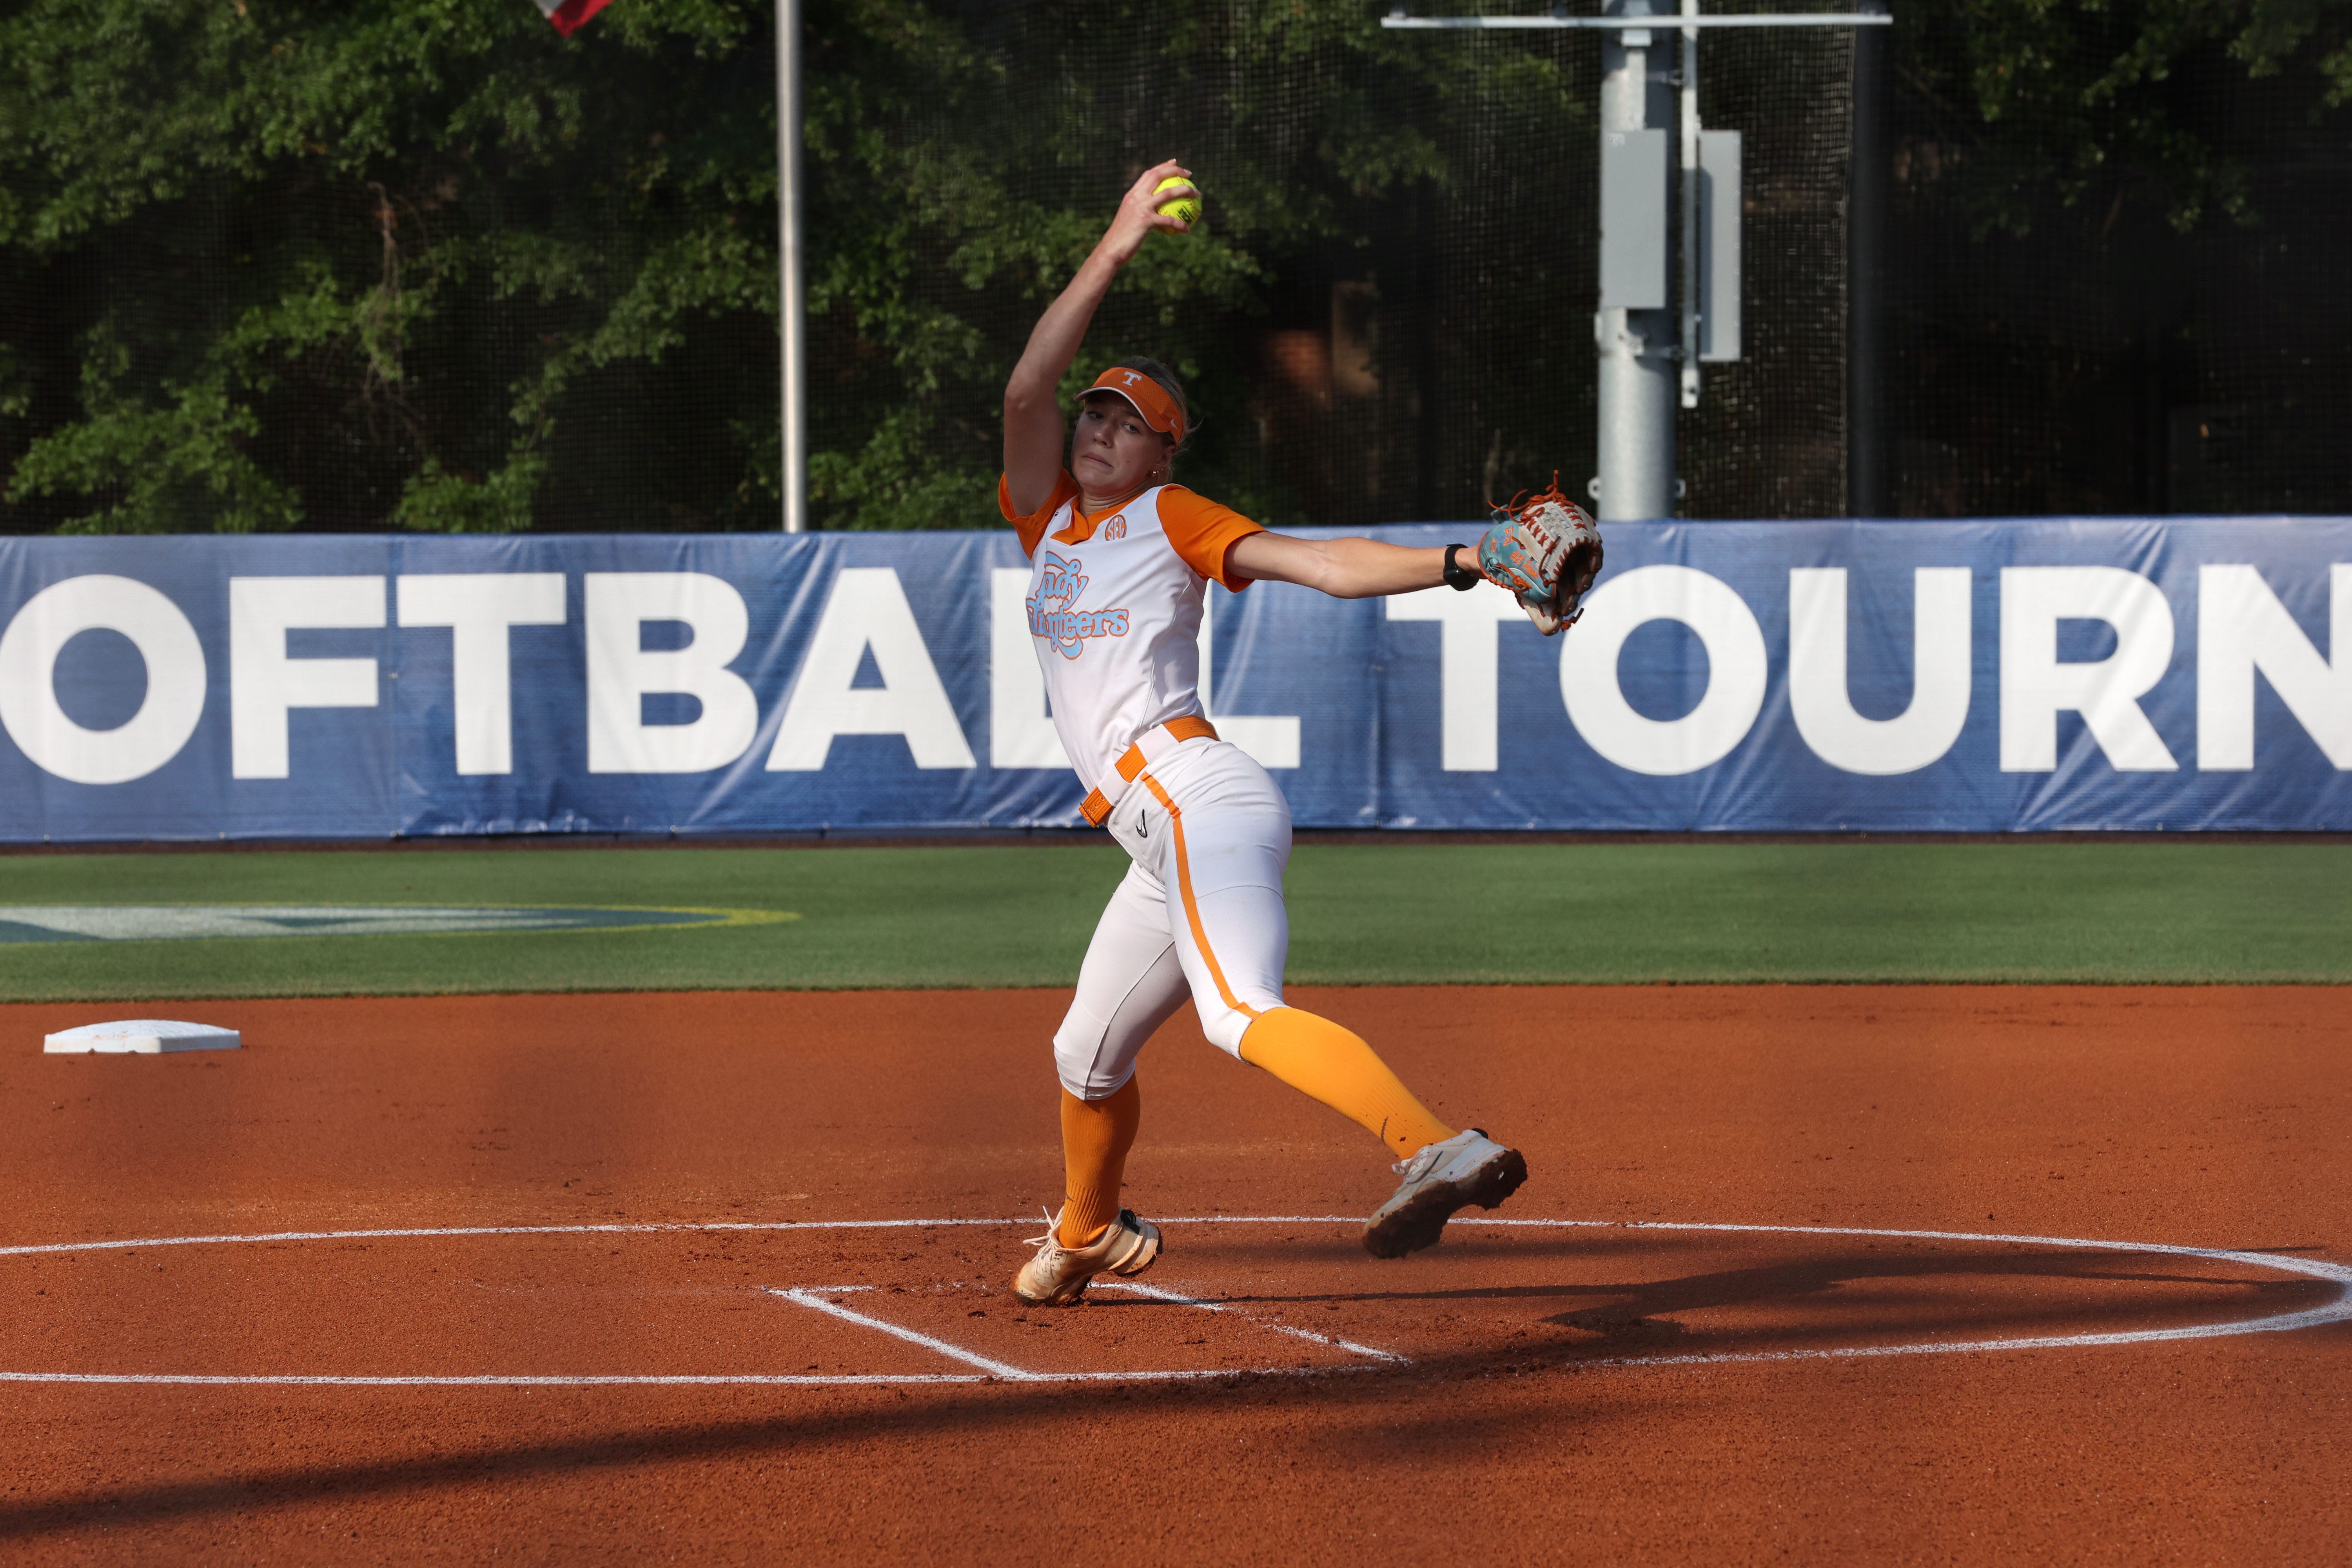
{"points": [[1184, 209]]}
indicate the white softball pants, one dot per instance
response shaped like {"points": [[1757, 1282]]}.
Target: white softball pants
{"points": [[1200, 914]]}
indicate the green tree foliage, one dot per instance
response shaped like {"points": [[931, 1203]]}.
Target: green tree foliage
{"points": [[321, 232], [409, 262], [2082, 99], [423, 264], [963, 164]]}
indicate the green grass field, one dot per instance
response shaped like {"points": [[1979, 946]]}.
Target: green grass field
{"points": [[1020, 915]]}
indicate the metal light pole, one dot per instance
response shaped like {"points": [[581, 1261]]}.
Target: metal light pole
{"points": [[1650, 351], [791, 309], [1637, 336], [1869, 477]]}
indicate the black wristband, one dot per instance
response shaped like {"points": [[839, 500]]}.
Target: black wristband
{"points": [[1461, 579]]}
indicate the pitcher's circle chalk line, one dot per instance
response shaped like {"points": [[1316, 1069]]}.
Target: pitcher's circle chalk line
{"points": [[2335, 1311]]}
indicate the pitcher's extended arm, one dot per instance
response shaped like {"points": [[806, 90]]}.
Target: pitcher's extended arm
{"points": [[1344, 568]]}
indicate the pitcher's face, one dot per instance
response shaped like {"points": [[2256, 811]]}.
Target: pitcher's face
{"points": [[1113, 453]]}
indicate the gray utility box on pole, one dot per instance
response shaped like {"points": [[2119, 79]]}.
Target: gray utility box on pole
{"points": [[1655, 184], [1633, 185], [1718, 248]]}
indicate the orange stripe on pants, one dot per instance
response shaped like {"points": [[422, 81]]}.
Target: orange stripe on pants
{"points": [[1192, 909]]}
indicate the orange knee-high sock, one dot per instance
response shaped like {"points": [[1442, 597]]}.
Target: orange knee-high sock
{"points": [[1316, 1057], [1096, 1136]]}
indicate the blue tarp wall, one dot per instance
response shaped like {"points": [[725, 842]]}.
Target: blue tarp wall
{"points": [[1966, 676]]}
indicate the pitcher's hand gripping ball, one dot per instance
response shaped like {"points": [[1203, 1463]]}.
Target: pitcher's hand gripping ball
{"points": [[1186, 208], [1546, 550]]}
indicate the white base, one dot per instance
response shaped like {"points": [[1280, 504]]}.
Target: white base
{"points": [[143, 1036]]}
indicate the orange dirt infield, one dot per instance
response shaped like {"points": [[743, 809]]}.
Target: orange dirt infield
{"points": [[1623, 1391]]}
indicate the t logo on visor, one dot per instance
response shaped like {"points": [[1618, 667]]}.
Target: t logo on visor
{"points": [[1159, 409]]}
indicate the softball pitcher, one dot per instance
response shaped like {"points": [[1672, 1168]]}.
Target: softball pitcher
{"points": [[1122, 558]]}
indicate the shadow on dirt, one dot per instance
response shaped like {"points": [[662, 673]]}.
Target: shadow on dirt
{"points": [[1628, 1319], [1630, 1314]]}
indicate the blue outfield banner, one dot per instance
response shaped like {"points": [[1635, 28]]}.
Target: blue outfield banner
{"points": [[1788, 677]]}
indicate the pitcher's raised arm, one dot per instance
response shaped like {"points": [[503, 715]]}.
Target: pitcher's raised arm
{"points": [[1033, 414]]}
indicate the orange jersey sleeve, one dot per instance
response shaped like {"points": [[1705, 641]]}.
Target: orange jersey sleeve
{"points": [[1032, 528], [1200, 531]]}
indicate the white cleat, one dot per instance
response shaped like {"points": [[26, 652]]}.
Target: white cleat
{"points": [[1467, 1168], [1057, 1275]]}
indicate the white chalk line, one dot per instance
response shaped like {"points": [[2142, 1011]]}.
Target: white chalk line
{"points": [[807, 1296], [2336, 1312], [1157, 1294], [953, 1352], [495, 1380], [414, 1231]]}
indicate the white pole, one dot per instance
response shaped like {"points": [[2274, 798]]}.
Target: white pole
{"points": [[1686, 177], [791, 307]]}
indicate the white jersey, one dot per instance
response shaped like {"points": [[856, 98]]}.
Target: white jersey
{"points": [[1115, 603]]}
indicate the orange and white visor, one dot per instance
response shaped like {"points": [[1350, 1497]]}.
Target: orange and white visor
{"points": [[1149, 397]]}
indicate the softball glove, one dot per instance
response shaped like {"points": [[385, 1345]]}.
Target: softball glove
{"points": [[1546, 550]]}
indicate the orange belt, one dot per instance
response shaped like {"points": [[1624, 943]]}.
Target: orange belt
{"points": [[1156, 742]]}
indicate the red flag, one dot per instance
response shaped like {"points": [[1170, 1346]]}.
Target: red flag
{"points": [[570, 14]]}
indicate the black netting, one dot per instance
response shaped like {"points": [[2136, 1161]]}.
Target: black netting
{"points": [[1394, 319], [1402, 351], [2103, 362], [1768, 438]]}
